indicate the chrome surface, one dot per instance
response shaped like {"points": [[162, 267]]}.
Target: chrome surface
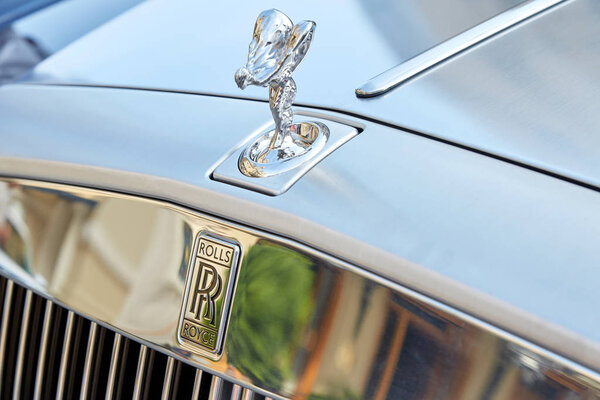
{"points": [[22, 345], [168, 381], [8, 289], [276, 49], [263, 158], [302, 323], [247, 395], [44, 350], [442, 52], [420, 214], [64, 359], [279, 174], [216, 388], [89, 359], [236, 392], [112, 372], [139, 375], [197, 383]]}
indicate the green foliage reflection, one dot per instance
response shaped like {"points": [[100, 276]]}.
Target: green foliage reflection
{"points": [[272, 306]]}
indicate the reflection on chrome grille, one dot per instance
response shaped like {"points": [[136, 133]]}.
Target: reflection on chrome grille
{"points": [[47, 352]]}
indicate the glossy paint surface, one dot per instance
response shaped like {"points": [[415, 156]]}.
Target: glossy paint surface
{"points": [[302, 325], [453, 47], [199, 45], [528, 94]]}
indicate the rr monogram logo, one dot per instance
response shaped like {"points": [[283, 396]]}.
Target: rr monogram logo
{"points": [[207, 289]]}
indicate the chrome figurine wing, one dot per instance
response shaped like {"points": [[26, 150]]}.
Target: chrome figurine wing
{"points": [[276, 49]]}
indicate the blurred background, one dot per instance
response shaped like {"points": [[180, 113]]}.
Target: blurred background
{"points": [[31, 30]]}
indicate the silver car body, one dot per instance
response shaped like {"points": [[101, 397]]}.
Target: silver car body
{"points": [[472, 188]]}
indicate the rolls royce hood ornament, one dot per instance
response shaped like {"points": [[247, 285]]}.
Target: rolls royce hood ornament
{"points": [[276, 49]]}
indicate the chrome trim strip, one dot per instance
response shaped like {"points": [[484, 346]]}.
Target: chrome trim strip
{"points": [[216, 388], [89, 359], [168, 378], [197, 382], [39, 375], [8, 292], [64, 360], [415, 66], [22, 345], [141, 371], [112, 372]]}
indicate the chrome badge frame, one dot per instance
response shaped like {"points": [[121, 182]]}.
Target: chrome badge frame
{"points": [[209, 290]]}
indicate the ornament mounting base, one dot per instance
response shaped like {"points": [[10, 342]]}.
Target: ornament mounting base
{"points": [[265, 157], [279, 174]]}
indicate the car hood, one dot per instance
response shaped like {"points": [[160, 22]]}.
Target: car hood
{"points": [[527, 95]]}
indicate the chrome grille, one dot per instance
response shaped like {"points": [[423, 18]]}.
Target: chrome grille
{"points": [[47, 352]]}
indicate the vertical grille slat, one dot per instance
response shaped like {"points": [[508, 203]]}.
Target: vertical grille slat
{"points": [[216, 388], [47, 351], [32, 349], [89, 360], [168, 379], [141, 371], [157, 366], [127, 369], [22, 345], [62, 373], [205, 386], [12, 340], [51, 376], [150, 370], [197, 383], [3, 287], [8, 296], [102, 357], [247, 394], [183, 385], [114, 367], [236, 392], [77, 363], [41, 367], [175, 382]]}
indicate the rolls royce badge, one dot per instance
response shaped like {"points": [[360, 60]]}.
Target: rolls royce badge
{"points": [[209, 290]]}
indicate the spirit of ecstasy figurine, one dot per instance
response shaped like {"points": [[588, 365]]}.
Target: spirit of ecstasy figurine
{"points": [[276, 49]]}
